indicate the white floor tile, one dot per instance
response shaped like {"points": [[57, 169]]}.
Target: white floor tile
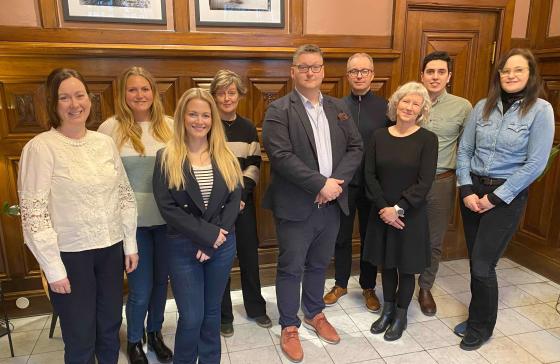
{"points": [[432, 334], [511, 322], [541, 344], [352, 348], [541, 314], [453, 284], [455, 355], [267, 355], [504, 351], [544, 291], [411, 358], [406, 344], [313, 352], [247, 337]]}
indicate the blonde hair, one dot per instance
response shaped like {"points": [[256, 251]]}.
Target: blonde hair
{"points": [[176, 152], [408, 88], [128, 129], [223, 79]]}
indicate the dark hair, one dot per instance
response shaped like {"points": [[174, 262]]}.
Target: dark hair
{"points": [[437, 56], [532, 91], [54, 80]]}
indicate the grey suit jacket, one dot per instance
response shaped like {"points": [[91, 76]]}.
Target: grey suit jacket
{"points": [[289, 142]]}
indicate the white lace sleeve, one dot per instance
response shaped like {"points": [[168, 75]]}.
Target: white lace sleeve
{"points": [[127, 204], [34, 181]]}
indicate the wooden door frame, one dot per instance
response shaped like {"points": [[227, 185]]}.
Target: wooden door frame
{"points": [[504, 9]]}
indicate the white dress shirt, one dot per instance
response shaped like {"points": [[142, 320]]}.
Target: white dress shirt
{"points": [[74, 196]]}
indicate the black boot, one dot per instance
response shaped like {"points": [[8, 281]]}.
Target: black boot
{"points": [[156, 344], [394, 332], [385, 319], [136, 353]]}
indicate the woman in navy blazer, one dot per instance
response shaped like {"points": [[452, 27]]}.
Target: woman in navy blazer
{"points": [[197, 185]]}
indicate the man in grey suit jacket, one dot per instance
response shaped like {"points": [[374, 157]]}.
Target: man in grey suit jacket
{"points": [[314, 149]]}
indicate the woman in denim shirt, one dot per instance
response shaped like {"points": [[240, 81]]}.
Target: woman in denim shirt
{"points": [[503, 149]]}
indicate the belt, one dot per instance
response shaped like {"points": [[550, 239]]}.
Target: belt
{"points": [[445, 174], [323, 205], [489, 181]]}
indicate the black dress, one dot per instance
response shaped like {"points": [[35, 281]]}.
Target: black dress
{"points": [[400, 170]]}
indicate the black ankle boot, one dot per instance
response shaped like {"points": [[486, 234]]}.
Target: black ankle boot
{"points": [[394, 332], [156, 344], [385, 319], [136, 353]]}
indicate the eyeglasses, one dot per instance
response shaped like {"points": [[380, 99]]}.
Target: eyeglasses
{"points": [[517, 71], [364, 72], [303, 68]]}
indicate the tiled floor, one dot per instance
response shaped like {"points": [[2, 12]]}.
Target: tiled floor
{"points": [[528, 328]]}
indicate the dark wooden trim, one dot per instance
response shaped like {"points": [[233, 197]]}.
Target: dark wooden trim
{"points": [[48, 11], [543, 262], [181, 16], [50, 49]]}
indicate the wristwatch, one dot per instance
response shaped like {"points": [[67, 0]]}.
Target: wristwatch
{"points": [[400, 211]]}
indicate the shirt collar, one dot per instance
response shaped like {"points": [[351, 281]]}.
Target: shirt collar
{"points": [[306, 101], [441, 97]]}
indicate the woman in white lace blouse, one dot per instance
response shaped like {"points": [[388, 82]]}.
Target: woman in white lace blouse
{"points": [[78, 216]]}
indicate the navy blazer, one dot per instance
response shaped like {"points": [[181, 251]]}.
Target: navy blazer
{"points": [[183, 209], [290, 144]]}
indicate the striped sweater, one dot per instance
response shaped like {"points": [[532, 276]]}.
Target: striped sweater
{"points": [[243, 140], [140, 169]]}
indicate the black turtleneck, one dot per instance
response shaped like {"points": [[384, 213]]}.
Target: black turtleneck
{"points": [[369, 113], [509, 99]]}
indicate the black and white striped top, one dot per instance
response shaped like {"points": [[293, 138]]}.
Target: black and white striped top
{"points": [[205, 179]]}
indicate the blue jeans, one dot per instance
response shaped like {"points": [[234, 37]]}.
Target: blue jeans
{"points": [[148, 283], [198, 289]]}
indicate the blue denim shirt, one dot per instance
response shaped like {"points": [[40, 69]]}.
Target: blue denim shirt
{"points": [[508, 146]]}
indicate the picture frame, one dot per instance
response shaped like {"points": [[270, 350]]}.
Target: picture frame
{"points": [[240, 13], [115, 11]]}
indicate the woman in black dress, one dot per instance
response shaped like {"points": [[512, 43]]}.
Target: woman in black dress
{"points": [[400, 165]]}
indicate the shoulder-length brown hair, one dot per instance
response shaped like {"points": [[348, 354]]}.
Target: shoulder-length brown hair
{"points": [[54, 79], [532, 91]]}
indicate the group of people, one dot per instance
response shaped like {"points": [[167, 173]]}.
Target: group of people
{"points": [[164, 197]]}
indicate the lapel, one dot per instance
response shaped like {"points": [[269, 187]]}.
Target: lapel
{"points": [[219, 190], [296, 102], [192, 188]]}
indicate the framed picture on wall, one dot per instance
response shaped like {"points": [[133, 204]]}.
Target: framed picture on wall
{"points": [[240, 13], [115, 11]]}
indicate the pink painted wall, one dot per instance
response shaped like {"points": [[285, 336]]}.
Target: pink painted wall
{"points": [[23, 13], [520, 19], [348, 17], [554, 27]]}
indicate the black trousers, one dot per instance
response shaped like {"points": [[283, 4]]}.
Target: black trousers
{"points": [[343, 248], [487, 236], [248, 257], [91, 315]]}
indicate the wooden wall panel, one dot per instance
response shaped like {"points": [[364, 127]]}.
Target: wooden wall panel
{"points": [[23, 115]]}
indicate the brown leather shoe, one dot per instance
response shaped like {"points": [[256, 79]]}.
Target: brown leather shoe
{"points": [[372, 302], [427, 303], [290, 344], [334, 294], [322, 328]]}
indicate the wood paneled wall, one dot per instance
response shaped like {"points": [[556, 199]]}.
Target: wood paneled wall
{"points": [[186, 58]]}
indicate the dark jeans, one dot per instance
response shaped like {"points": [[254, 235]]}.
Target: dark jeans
{"points": [[440, 201], [305, 249], [198, 289], [487, 236], [343, 248], [247, 254], [91, 315], [148, 283]]}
